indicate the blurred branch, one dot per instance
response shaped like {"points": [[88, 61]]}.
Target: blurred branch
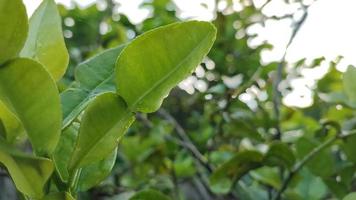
{"points": [[298, 166], [277, 96], [186, 142]]}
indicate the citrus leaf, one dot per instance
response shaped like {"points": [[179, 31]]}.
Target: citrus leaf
{"points": [[149, 195], [155, 62], [45, 42], [14, 27], [94, 76], [104, 122], [29, 173], [34, 100]]}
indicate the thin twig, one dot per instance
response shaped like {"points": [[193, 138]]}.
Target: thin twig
{"points": [[298, 166], [186, 141], [276, 93]]}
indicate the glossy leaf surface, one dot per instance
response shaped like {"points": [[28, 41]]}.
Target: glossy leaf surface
{"points": [[45, 42], [104, 122], [29, 173], [155, 62], [27, 90], [14, 27], [94, 76]]}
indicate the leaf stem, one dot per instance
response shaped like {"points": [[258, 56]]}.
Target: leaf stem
{"points": [[307, 158]]}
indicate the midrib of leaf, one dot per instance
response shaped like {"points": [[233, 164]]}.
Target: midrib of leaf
{"points": [[99, 138], [66, 121], [164, 78]]}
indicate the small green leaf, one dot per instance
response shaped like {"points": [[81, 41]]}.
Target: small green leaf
{"points": [[30, 93], [45, 42], [149, 195], [14, 27], [94, 76], [91, 175], [12, 125], [58, 196], [64, 149], [321, 164], [223, 177], [280, 154], [351, 196], [349, 147], [155, 62], [104, 122], [29, 173]]}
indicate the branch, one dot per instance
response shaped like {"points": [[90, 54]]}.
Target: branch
{"points": [[186, 142], [277, 95], [307, 158]]}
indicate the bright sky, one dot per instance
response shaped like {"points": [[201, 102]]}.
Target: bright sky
{"points": [[329, 31]]}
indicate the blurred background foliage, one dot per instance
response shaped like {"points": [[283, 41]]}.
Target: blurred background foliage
{"points": [[206, 141]]}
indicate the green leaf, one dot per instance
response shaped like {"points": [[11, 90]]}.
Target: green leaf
{"points": [[64, 149], [94, 76], [104, 122], [349, 84], [58, 196], [45, 42], [14, 27], [149, 195], [280, 154], [27, 90], [321, 164], [12, 125], [351, 196], [93, 174], [223, 177], [349, 147], [29, 173], [268, 176], [155, 62]]}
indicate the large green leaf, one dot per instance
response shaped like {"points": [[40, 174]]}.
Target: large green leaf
{"points": [[27, 90], [149, 195], [223, 177], [28, 173], [351, 196], [12, 125], [321, 164], [64, 149], [94, 76], [45, 42], [349, 84], [280, 154], [14, 27], [104, 123], [93, 174], [155, 62]]}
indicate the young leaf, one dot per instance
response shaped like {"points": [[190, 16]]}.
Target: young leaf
{"points": [[104, 122], [155, 62], [30, 93], [12, 126], [280, 154], [28, 173], [149, 195], [93, 174], [223, 177], [94, 76], [45, 42], [14, 27]]}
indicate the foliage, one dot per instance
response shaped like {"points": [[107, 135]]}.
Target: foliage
{"points": [[235, 137]]}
